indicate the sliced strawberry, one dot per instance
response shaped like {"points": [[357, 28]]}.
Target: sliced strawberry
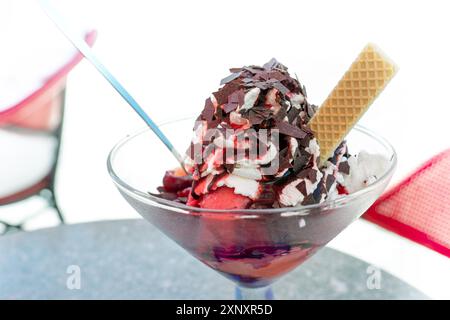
{"points": [[224, 198], [184, 193], [341, 189], [200, 186], [191, 201], [173, 182]]}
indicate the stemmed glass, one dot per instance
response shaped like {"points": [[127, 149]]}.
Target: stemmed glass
{"points": [[254, 247]]}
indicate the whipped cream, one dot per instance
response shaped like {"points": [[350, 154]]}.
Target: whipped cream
{"points": [[365, 169], [246, 187], [250, 99]]}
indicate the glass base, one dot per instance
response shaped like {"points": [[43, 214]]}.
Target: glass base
{"points": [[264, 293]]}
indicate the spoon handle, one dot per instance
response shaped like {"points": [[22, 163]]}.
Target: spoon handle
{"points": [[87, 52]]}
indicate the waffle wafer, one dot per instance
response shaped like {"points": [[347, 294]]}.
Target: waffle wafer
{"points": [[350, 99]]}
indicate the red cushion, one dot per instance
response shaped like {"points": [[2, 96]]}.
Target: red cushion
{"points": [[41, 108], [418, 208]]}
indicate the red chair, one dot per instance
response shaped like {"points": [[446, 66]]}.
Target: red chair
{"points": [[32, 129], [418, 208]]}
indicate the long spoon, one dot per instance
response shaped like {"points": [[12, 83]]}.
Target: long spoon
{"points": [[87, 52]]}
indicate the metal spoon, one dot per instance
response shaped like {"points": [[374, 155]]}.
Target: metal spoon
{"points": [[87, 52]]}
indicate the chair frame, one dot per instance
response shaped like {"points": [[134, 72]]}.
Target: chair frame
{"points": [[46, 187]]}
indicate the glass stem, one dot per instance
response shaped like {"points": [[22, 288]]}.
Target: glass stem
{"points": [[264, 293]]}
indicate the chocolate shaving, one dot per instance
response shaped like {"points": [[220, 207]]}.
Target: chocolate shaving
{"points": [[302, 188], [253, 69], [300, 160], [257, 115], [280, 87], [330, 180], [231, 77], [309, 199], [281, 114], [340, 150], [262, 76], [290, 130], [229, 167], [274, 64], [267, 196], [309, 173], [235, 100], [284, 161], [303, 90], [270, 64], [293, 114], [237, 97], [311, 110], [312, 175], [228, 107], [317, 194], [305, 141], [344, 167], [263, 85], [214, 123], [222, 95], [307, 129], [274, 74], [208, 111]]}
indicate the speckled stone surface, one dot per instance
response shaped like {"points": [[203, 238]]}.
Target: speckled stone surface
{"points": [[130, 259]]}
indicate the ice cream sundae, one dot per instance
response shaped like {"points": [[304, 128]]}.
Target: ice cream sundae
{"points": [[268, 178], [253, 147]]}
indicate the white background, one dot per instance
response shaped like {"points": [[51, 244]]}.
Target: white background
{"points": [[172, 54]]}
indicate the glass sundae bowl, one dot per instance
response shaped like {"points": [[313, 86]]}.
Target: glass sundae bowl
{"points": [[252, 247]]}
